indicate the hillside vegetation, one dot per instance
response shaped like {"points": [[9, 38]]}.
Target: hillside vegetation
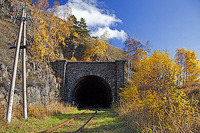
{"points": [[162, 93], [66, 38], [49, 38], [52, 38]]}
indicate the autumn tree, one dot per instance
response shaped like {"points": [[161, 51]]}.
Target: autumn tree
{"points": [[48, 35], [189, 66], [96, 50], [38, 13], [132, 47], [156, 72], [152, 99]]}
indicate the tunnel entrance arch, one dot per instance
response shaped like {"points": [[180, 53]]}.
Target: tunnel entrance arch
{"points": [[92, 91], [75, 75]]}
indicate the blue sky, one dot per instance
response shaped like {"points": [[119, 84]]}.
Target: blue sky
{"points": [[167, 24]]}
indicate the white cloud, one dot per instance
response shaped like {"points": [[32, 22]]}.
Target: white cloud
{"points": [[94, 16], [120, 35], [99, 19]]}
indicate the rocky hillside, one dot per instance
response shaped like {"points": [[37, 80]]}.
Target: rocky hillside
{"points": [[41, 82]]}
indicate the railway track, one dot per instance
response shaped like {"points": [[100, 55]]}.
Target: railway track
{"points": [[70, 120]]}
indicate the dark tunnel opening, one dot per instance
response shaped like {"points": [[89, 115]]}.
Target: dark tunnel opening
{"points": [[93, 92]]}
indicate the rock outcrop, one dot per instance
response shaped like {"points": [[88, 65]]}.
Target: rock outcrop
{"points": [[38, 91]]}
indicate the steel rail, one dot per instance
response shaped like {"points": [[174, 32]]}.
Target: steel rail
{"points": [[85, 125], [62, 124]]}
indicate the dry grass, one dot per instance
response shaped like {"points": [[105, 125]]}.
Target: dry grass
{"points": [[37, 111], [193, 92], [105, 121], [136, 121], [42, 112], [178, 112], [114, 53]]}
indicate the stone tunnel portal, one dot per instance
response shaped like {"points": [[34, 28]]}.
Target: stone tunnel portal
{"points": [[90, 84], [92, 91]]}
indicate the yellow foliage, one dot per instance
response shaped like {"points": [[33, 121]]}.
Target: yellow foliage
{"points": [[95, 50], [157, 72], [151, 102], [48, 35], [131, 95], [73, 58], [172, 112], [189, 67], [76, 34]]}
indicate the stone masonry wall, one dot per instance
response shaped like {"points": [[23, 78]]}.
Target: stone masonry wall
{"points": [[71, 72]]}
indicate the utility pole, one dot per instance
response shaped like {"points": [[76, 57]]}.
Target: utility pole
{"points": [[12, 87], [24, 69]]}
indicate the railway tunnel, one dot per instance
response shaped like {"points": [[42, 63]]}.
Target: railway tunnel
{"points": [[92, 91]]}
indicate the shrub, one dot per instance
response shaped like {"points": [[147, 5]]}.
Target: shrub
{"points": [[148, 111]]}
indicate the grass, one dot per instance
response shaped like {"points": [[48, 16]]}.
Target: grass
{"points": [[39, 117], [33, 125], [77, 123], [105, 121], [114, 53]]}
